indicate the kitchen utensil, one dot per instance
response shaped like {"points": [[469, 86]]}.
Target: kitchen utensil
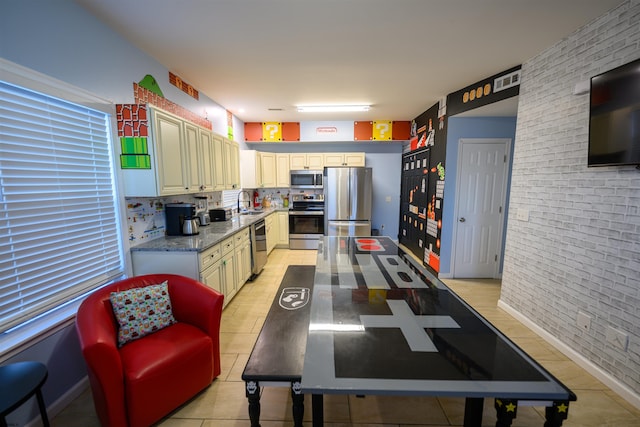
{"points": [[189, 226]]}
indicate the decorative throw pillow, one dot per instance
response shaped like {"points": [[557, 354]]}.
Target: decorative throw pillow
{"points": [[141, 311]]}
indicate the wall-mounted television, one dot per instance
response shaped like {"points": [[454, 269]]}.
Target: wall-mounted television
{"points": [[614, 117]]}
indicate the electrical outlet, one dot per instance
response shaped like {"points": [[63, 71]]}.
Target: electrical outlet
{"points": [[617, 338], [584, 321], [523, 214]]}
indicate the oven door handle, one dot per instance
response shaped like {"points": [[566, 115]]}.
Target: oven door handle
{"points": [[307, 213]]}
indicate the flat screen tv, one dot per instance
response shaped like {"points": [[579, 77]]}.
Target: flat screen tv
{"points": [[614, 117]]}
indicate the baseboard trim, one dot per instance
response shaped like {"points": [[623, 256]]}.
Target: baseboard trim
{"points": [[613, 383]]}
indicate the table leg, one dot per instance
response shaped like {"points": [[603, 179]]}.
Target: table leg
{"points": [[473, 407], [43, 408], [556, 413], [253, 395], [298, 404], [506, 410], [317, 408]]}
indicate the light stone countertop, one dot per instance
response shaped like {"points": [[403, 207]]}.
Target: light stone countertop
{"points": [[208, 236]]}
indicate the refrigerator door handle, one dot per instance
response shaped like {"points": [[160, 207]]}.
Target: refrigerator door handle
{"points": [[347, 223]]}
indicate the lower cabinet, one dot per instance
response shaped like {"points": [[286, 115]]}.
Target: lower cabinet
{"points": [[224, 267], [271, 231], [243, 257], [283, 229], [228, 275]]}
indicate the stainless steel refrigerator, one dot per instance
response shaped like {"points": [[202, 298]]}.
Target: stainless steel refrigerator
{"points": [[347, 201]]}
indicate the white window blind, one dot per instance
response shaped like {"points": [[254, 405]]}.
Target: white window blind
{"points": [[59, 231]]}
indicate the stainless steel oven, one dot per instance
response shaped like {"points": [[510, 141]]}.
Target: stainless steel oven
{"points": [[305, 179], [306, 221]]}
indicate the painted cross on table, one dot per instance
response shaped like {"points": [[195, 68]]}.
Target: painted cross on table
{"points": [[412, 325]]}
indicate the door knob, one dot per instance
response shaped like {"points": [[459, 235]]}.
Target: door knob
{"points": [[462, 219]]}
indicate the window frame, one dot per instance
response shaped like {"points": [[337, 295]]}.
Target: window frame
{"points": [[22, 336]]}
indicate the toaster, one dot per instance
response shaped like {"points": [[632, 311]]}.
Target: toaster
{"points": [[221, 214]]}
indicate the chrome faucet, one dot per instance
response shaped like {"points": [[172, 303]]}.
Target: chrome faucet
{"points": [[248, 202]]}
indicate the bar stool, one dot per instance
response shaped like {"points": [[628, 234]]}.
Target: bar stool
{"points": [[18, 382]]}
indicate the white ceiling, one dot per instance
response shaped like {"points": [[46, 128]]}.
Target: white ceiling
{"points": [[400, 56]]}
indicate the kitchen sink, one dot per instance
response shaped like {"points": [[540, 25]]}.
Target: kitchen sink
{"points": [[251, 212]]}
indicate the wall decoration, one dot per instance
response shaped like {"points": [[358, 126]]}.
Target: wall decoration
{"points": [[291, 131], [253, 131], [132, 120], [183, 86], [229, 124], [382, 130], [492, 89], [311, 131], [135, 153], [272, 132], [400, 130], [422, 192], [149, 83], [363, 131], [142, 95]]}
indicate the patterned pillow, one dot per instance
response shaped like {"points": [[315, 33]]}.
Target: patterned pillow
{"points": [[141, 311]]}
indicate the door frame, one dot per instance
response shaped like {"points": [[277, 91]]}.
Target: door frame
{"points": [[508, 142]]}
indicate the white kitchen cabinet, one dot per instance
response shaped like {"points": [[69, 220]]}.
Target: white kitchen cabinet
{"points": [[243, 257], [250, 174], [212, 277], [171, 155], [218, 163], [181, 157], [311, 161], [206, 161], [344, 159], [282, 170], [271, 232], [282, 219], [231, 164], [226, 158], [224, 267], [258, 169], [228, 269], [200, 161], [268, 169]]}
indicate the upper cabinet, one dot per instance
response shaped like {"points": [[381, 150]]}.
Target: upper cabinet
{"points": [[282, 170], [300, 161], [226, 169], [258, 170], [343, 159], [184, 158]]}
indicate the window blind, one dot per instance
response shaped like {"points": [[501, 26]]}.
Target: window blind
{"points": [[59, 230]]}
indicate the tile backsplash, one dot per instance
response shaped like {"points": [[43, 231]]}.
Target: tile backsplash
{"points": [[145, 215]]}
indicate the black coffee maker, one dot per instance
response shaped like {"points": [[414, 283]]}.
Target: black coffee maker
{"points": [[175, 214]]}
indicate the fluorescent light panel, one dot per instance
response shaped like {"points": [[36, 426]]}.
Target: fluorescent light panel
{"points": [[331, 108]]}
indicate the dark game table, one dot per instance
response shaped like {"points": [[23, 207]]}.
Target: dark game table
{"points": [[383, 325]]}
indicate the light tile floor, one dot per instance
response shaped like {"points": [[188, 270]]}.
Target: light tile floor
{"points": [[223, 404]]}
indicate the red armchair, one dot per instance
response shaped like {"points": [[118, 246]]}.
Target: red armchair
{"points": [[144, 380]]}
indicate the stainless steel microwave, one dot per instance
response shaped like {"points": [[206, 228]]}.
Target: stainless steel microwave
{"points": [[306, 179]]}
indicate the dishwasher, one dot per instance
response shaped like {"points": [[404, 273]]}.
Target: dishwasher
{"points": [[258, 233]]}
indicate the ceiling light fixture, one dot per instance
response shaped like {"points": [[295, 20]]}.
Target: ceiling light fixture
{"points": [[332, 108]]}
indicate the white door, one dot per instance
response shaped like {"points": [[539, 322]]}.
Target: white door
{"points": [[481, 196]]}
